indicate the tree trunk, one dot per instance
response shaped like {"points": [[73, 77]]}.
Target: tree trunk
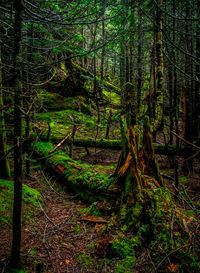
{"points": [[196, 112], [139, 59], [160, 75], [15, 251], [4, 169], [103, 40]]}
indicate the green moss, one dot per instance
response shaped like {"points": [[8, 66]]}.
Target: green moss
{"points": [[123, 248], [126, 265], [14, 270], [91, 210], [77, 175], [30, 198]]}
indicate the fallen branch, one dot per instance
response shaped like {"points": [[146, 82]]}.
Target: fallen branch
{"points": [[186, 141], [64, 140], [60, 143], [93, 219], [170, 253]]}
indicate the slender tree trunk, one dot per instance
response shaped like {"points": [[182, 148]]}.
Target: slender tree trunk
{"points": [[127, 63], [196, 112], [187, 96], [4, 165], [15, 251], [131, 43], [160, 75], [139, 58], [103, 40]]}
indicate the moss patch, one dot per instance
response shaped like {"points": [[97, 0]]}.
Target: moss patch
{"points": [[29, 197]]}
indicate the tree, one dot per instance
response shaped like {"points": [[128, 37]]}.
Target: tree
{"points": [[5, 169], [17, 80]]}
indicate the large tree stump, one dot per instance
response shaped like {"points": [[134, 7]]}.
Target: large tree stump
{"points": [[137, 170]]}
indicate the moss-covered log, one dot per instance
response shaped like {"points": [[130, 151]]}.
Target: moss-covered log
{"points": [[90, 185], [115, 144]]}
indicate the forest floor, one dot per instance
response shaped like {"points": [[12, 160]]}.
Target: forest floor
{"points": [[66, 234], [57, 239]]}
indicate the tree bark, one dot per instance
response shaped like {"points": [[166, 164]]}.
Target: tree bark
{"points": [[160, 75], [15, 251], [5, 168]]}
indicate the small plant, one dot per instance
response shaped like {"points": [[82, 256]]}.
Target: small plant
{"points": [[86, 260]]}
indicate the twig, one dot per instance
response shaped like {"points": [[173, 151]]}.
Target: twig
{"points": [[45, 212], [193, 208], [36, 140], [63, 196], [44, 236], [167, 176], [40, 84], [47, 249], [192, 156], [50, 184], [170, 253], [148, 253]]}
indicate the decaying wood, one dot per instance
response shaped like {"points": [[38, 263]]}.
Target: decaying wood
{"points": [[137, 168]]}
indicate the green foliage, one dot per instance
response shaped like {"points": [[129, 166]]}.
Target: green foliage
{"points": [[90, 124], [32, 251], [112, 97], [126, 265]]}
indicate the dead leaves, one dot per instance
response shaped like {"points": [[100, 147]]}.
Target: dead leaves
{"points": [[98, 228]]}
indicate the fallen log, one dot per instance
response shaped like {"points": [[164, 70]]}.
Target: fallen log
{"points": [[117, 145], [91, 186]]}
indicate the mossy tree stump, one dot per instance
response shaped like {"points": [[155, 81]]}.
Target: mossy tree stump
{"points": [[137, 171]]}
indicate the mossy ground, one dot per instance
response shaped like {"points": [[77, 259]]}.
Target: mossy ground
{"points": [[30, 198], [59, 111]]}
